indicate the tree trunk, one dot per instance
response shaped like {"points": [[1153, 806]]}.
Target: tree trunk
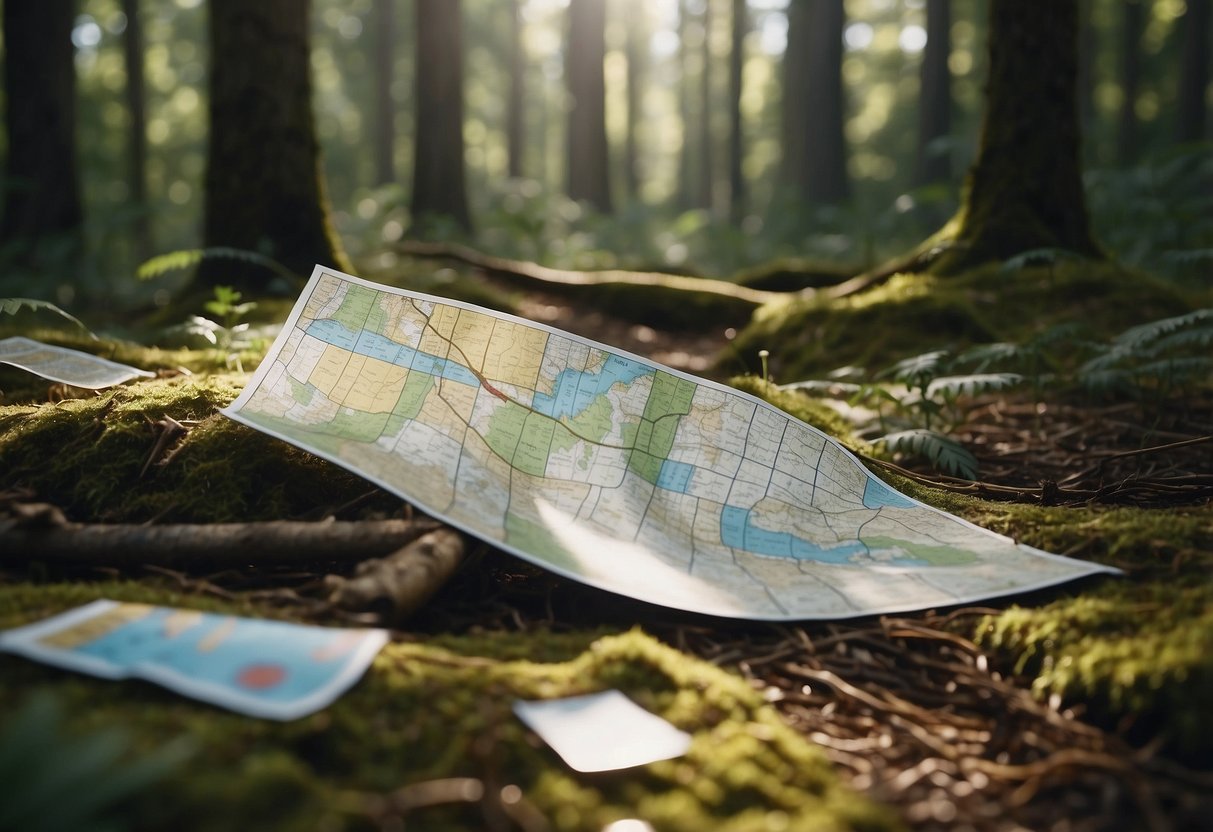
{"points": [[1025, 189], [795, 125], [1130, 78], [588, 171], [439, 188], [264, 186], [707, 170], [827, 150], [384, 15], [636, 47], [1194, 72], [737, 184], [136, 105], [1088, 45], [43, 195], [935, 97], [685, 188], [515, 113]]}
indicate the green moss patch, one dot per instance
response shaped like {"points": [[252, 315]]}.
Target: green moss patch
{"points": [[913, 313], [91, 457], [426, 712]]}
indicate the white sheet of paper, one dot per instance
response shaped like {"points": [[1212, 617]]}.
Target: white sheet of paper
{"points": [[602, 731], [79, 369]]}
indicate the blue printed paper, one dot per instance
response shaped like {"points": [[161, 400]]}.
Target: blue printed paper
{"points": [[270, 669]]}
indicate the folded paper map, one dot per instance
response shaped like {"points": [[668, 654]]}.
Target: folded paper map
{"points": [[270, 669], [79, 369], [610, 469]]}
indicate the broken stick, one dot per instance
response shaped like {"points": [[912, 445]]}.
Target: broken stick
{"points": [[398, 585]]}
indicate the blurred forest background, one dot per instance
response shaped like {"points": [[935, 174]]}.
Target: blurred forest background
{"points": [[737, 132]]}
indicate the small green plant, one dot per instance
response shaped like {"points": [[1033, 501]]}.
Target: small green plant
{"points": [[229, 335]]}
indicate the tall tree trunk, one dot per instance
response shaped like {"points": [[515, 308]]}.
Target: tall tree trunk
{"points": [[384, 15], [707, 145], [136, 105], [795, 124], [935, 97], [43, 195], [1194, 72], [515, 114], [826, 164], [438, 167], [685, 186], [636, 47], [1025, 189], [588, 172], [737, 184], [264, 186], [1087, 47], [1130, 78]]}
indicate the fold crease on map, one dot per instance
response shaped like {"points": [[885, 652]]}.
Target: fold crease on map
{"points": [[610, 469]]}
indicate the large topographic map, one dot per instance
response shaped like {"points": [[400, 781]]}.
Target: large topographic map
{"points": [[610, 469]]}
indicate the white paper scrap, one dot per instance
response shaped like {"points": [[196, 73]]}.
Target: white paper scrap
{"points": [[79, 369], [603, 731]]}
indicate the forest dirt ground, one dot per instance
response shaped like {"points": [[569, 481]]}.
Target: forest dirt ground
{"points": [[982, 718]]}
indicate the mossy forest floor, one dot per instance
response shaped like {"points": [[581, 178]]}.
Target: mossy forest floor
{"points": [[1082, 707]]}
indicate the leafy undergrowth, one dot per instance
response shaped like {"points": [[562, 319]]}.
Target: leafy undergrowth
{"points": [[427, 712]]}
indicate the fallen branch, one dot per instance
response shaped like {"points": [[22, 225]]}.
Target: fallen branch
{"points": [[214, 546], [633, 293], [398, 585]]}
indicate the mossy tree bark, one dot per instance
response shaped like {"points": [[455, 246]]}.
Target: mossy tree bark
{"points": [[43, 198], [264, 186], [439, 188], [588, 167], [1025, 190]]}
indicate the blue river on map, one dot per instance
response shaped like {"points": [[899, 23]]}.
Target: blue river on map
{"points": [[385, 349], [575, 390]]}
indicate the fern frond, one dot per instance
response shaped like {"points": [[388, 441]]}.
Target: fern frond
{"points": [[943, 452], [917, 367], [1137, 336], [188, 258], [971, 385], [10, 306], [1038, 256], [985, 355]]}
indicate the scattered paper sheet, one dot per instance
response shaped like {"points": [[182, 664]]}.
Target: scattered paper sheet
{"points": [[269, 669], [610, 469], [603, 731], [79, 369]]}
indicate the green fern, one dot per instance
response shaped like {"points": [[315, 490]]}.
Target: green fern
{"points": [[11, 306], [173, 261], [943, 452], [1039, 256], [951, 387]]}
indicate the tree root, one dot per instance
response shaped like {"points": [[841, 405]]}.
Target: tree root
{"points": [[214, 546]]}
